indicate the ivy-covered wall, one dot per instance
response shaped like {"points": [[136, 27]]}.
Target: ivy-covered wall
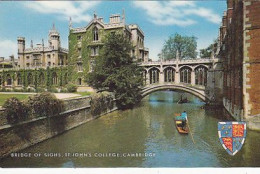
{"points": [[35, 78], [85, 55]]}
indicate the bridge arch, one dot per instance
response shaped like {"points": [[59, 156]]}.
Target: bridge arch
{"points": [[200, 93], [153, 67], [201, 65]]}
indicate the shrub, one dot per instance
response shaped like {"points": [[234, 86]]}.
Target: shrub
{"points": [[64, 90], [39, 89], [15, 110], [8, 90], [29, 89], [3, 90], [71, 87], [45, 104], [100, 103], [52, 89], [18, 90]]}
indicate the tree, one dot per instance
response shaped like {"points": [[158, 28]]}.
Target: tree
{"points": [[206, 52], [185, 45], [115, 71]]}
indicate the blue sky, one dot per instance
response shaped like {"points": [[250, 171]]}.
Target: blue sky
{"points": [[158, 20]]}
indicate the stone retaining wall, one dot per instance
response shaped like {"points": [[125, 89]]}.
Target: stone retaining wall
{"points": [[27, 133]]}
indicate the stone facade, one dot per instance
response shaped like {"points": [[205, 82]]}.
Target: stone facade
{"points": [[86, 43], [40, 56], [8, 63], [239, 47]]}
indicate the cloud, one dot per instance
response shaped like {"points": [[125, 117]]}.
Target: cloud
{"points": [[78, 11], [178, 13], [7, 48]]}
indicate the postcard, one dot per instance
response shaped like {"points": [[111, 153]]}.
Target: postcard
{"points": [[130, 84]]}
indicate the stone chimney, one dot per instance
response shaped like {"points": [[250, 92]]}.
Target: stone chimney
{"points": [[114, 19], [100, 19]]}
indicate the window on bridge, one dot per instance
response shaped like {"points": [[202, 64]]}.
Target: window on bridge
{"points": [[185, 75], [169, 74], [201, 76], [154, 75]]}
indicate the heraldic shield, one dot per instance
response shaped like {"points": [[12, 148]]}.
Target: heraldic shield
{"points": [[232, 136]]}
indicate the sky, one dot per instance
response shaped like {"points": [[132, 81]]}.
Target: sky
{"points": [[157, 19]]}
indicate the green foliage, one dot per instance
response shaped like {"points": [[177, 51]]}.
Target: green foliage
{"points": [[5, 90], [39, 89], [71, 87], [100, 102], [64, 90], [15, 110], [45, 104], [185, 45], [116, 72], [206, 52], [52, 89]]}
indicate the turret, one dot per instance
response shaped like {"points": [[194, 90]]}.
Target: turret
{"points": [[54, 38], [21, 44]]}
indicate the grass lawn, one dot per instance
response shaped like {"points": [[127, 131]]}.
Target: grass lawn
{"points": [[84, 93], [3, 97]]}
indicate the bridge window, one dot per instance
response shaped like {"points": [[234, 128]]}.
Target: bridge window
{"points": [[201, 76], [169, 74], [185, 75], [154, 75]]}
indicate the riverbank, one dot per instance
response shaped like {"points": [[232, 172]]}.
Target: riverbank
{"points": [[30, 132]]}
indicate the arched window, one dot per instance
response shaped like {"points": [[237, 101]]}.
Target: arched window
{"points": [[9, 80], [79, 81], [54, 78], [41, 79], [169, 74], [201, 76], [30, 79], [66, 78], [19, 79], [95, 34], [185, 75], [154, 75]]}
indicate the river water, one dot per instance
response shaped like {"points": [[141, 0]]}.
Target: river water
{"points": [[143, 137]]}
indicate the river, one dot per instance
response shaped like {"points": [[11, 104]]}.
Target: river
{"points": [[143, 137]]}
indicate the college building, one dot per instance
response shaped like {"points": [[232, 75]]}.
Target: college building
{"points": [[85, 43], [51, 65], [239, 49]]}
